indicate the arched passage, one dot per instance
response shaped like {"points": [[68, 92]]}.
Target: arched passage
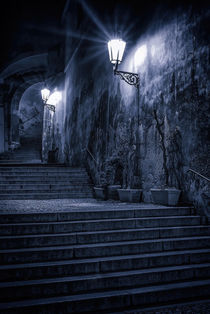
{"points": [[17, 78], [23, 81], [30, 120]]}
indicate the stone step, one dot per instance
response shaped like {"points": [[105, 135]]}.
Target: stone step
{"points": [[8, 162], [43, 175], [21, 156], [27, 241], [45, 196], [51, 269], [97, 212], [96, 225], [28, 169], [20, 152], [24, 155], [101, 250], [33, 165], [55, 253], [40, 177], [189, 306], [79, 185], [45, 188], [98, 282], [42, 187], [44, 180], [42, 168], [113, 299]]}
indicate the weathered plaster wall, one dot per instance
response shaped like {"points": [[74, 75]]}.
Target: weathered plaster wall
{"points": [[148, 139], [174, 105]]}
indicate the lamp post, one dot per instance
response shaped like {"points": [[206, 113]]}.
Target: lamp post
{"points": [[116, 49], [45, 96]]}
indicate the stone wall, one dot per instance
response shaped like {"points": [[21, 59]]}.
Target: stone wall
{"points": [[151, 137]]}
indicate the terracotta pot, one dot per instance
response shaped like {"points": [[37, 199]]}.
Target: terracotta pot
{"points": [[165, 196], [130, 195]]}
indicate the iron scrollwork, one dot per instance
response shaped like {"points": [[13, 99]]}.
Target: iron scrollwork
{"points": [[128, 77], [50, 107]]}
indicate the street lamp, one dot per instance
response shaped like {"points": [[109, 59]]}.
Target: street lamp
{"points": [[45, 96], [116, 49]]}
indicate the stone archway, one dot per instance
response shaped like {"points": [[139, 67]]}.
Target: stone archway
{"points": [[17, 78], [35, 78], [30, 121]]}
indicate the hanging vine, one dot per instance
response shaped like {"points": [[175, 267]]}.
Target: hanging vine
{"points": [[160, 125]]}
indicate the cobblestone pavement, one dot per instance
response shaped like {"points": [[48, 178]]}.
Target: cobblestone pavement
{"points": [[26, 206]]}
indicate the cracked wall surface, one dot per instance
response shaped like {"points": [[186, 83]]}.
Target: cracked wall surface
{"points": [[151, 138]]}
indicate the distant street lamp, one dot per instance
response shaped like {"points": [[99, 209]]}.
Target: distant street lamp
{"points": [[116, 49], [45, 96]]}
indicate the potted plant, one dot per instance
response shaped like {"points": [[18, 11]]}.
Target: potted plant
{"points": [[129, 192], [130, 195], [96, 173], [112, 168], [106, 189], [164, 195], [101, 186]]}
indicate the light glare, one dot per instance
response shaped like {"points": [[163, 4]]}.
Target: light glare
{"points": [[54, 98], [153, 50], [140, 55]]}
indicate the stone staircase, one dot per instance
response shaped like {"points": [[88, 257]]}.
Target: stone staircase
{"points": [[102, 259], [43, 182], [29, 152]]}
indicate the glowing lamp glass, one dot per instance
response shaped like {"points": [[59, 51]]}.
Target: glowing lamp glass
{"points": [[116, 49], [45, 94]]}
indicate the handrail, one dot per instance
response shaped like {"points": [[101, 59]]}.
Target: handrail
{"points": [[195, 172], [91, 155]]}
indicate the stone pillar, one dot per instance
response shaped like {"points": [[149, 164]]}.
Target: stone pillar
{"points": [[47, 133]]}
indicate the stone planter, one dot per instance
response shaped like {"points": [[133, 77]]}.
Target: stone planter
{"points": [[112, 192], [100, 193], [165, 196], [129, 195]]}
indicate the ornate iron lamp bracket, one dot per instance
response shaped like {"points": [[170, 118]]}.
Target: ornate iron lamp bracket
{"points": [[50, 107], [128, 77]]}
